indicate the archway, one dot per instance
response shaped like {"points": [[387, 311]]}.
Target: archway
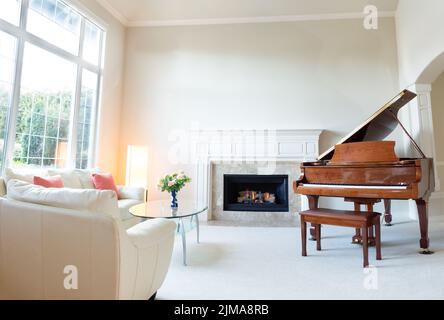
{"points": [[421, 114], [432, 70]]}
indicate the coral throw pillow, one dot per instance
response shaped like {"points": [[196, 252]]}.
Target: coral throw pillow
{"points": [[49, 182], [104, 181]]}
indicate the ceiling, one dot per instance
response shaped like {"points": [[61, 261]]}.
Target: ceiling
{"points": [[139, 12]]}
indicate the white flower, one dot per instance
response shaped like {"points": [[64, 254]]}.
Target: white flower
{"points": [[171, 183]]}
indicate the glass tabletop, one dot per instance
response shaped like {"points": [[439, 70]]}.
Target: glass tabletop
{"points": [[162, 209]]}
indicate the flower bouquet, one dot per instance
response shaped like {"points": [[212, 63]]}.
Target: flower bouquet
{"points": [[173, 183]]}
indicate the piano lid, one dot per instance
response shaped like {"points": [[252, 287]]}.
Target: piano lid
{"points": [[378, 126]]}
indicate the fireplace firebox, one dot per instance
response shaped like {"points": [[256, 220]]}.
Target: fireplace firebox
{"points": [[251, 192]]}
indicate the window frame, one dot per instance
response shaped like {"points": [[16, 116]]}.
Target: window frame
{"points": [[22, 37]]}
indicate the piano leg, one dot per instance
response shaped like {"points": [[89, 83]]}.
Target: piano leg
{"points": [[423, 226], [313, 203], [371, 234], [357, 238], [388, 212]]}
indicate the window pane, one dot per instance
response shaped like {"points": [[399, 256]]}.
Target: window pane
{"points": [[7, 67], [55, 22], [46, 101], [91, 45], [10, 11], [85, 119]]}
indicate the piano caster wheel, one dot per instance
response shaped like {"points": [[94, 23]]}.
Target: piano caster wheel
{"points": [[388, 224], [426, 251], [356, 239]]}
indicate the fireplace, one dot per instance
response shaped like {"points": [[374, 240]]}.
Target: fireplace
{"points": [[251, 192]]}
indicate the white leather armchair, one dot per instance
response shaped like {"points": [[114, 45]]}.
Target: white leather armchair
{"points": [[39, 244]]}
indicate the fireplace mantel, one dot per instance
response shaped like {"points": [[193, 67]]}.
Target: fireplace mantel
{"points": [[212, 146]]}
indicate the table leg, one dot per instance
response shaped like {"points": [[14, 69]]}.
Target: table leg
{"points": [[197, 227], [184, 243]]}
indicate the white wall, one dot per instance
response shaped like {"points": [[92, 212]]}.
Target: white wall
{"points": [[112, 89], [328, 75], [438, 120], [419, 31]]}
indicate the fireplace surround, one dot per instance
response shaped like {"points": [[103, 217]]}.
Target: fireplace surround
{"points": [[254, 152]]}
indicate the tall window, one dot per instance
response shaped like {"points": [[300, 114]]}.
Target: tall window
{"points": [[50, 73], [7, 67]]}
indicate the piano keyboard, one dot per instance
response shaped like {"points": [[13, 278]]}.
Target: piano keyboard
{"points": [[347, 186]]}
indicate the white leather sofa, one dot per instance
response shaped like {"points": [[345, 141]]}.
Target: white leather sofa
{"points": [[80, 179], [70, 244]]}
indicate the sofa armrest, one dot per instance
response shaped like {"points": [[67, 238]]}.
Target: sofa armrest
{"points": [[2, 187], [136, 193], [151, 232]]}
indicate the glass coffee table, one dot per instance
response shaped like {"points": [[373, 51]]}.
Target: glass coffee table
{"points": [[162, 209]]}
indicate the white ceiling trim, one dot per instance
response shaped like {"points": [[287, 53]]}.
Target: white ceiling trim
{"points": [[198, 22], [241, 20], [114, 12]]}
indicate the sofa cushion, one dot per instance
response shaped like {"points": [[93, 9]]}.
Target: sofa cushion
{"points": [[49, 182], [100, 201], [24, 174], [85, 177], [127, 192], [75, 178], [69, 177], [124, 206]]}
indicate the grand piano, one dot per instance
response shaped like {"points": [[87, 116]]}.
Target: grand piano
{"points": [[364, 169]]}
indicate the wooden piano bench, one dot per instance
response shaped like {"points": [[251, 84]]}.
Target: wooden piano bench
{"points": [[343, 218]]}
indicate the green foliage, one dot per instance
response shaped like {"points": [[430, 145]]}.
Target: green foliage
{"points": [[38, 127], [173, 182], [43, 121]]}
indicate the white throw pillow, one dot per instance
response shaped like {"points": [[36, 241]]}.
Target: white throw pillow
{"points": [[24, 174], [85, 178], [69, 177], [100, 201]]}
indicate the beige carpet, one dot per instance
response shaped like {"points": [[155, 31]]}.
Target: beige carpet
{"points": [[265, 263]]}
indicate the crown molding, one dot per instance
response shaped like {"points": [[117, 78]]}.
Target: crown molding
{"points": [[114, 12], [245, 20], [240, 20]]}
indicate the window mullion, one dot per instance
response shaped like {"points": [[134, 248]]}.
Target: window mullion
{"points": [[72, 150], [13, 110], [94, 122], [72, 139]]}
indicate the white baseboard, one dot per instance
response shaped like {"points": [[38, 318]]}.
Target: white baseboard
{"points": [[437, 195]]}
